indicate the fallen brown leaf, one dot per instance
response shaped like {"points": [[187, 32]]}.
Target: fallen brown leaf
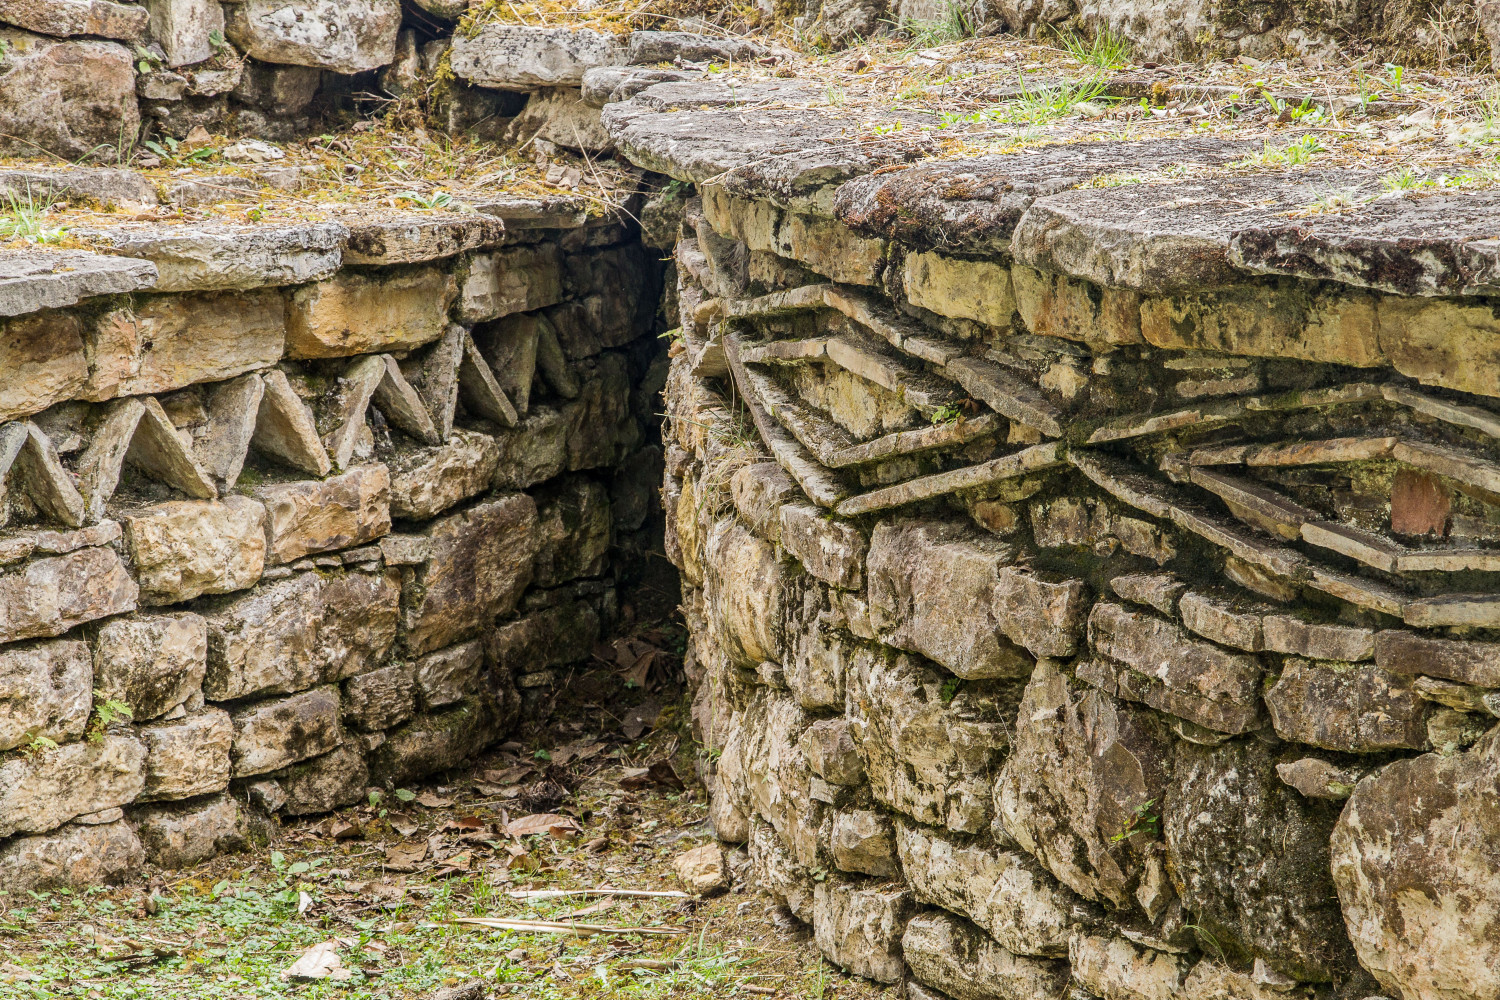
{"points": [[405, 857], [432, 801], [539, 823]]}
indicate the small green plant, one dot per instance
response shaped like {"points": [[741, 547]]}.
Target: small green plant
{"points": [[1293, 154], [1106, 49], [947, 414], [405, 795], [1032, 107], [39, 745], [541, 755], [949, 690], [956, 22], [170, 149], [439, 199], [834, 95], [1395, 74], [22, 220], [107, 712], [216, 39], [1405, 179], [1142, 820]]}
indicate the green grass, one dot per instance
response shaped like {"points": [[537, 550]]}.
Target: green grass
{"points": [[22, 220], [1105, 49], [954, 24], [1033, 107], [1293, 154]]}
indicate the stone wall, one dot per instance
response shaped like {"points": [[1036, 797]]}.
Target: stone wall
{"points": [[1092, 587], [320, 515]]}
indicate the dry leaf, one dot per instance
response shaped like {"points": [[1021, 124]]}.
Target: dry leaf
{"points": [[402, 825], [432, 801], [660, 773], [539, 823], [321, 961], [577, 751], [406, 856], [464, 823], [346, 831], [639, 719], [508, 776]]}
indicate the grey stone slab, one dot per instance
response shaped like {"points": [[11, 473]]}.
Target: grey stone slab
{"points": [[217, 256], [31, 280]]}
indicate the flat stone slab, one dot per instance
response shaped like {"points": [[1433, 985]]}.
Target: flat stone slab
{"points": [[105, 185], [410, 239], [218, 256], [37, 279], [750, 140], [974, 205], [1171, 237], [1441, 244], [522, 57]]}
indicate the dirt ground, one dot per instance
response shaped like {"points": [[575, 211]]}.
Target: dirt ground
{"points": [[385, 884]]}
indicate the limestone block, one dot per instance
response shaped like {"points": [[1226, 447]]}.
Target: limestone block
{"points": [[165, 342], [76, 857], [183, 28], [331, 781], [540, 640], [823, 244], [226, 256], [829, 748], [187, 756], [1447, 342], [744, 592], [1286, 320], [274, 733], [860, 929], [300, 631], [517, 57], [1318, 779], [574, 531], [950, 954], [481, 560], [534, 450], [775, 776], [1476, 663], [39, 793], [183, 834], [153, 663], [613, 296], [1083, 767], [932, 590], [559, 115], [345, 36], [773, 869], [380, 698], [438, 741], [1113, 968], [66, 97], [62, 18], [1318, 641], [418, 237], [703, 869], [759, 491], [864, 841], [1155, 662], [1353, 707], [965, 289], [1055, 305], [448, 676], [285, 428], [1417, 867], [46, 690], [41, 362], [184, 548], [1006, 893], [317, 515], [46, 597], [510, 281], [930, 750], [832, 551], [1249, 858], [427, 481], [818, 655], [357, 313]]}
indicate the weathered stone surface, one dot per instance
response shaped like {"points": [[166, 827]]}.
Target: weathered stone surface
{"points": [[331, 781], [76, 857], [300, 631], [1055, 305], [42, 792], [276, 732], [415, 238], [441, 740], [520, 57], [1318, 779], [183, 834], [481, 560], [951, 954], [541, 640], [818, 654], [345, 36], [646, 47], [832, 551], [67, 97], [608, 84], [286, 430], [358, 313], [1113, 968], [933, 590], [950, 286], [777, 873], [41, 362], [187, 756], [164, 342], [223, 256], [1417, 868], [1228, 619], [1249, 857], [759, 491], [46, 597], [184, 548], [763, 758], [153, 663], [825, 245], [62, 18], [427, 481], [1155, 662], [703, 869], [449, 675], [33, 280], [315, 516], [46, 691], [930, 747], [1317, 641], [380, 698], [559, 115], [829, 748], [1003, 891], [185, 28], [1475, 663], [1084, 770], [860, 929], [864, 841], [574, 531], [1356, 708], [510, 281], [745, 594]]}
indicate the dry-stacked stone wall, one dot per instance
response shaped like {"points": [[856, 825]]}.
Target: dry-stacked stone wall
{"points": [[318, 504], [1092, 587]]}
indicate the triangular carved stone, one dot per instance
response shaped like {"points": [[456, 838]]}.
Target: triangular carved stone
{"points": [[481, 393], [355, 390], [100, 464], [233, 408], [403, 406], [29, 464], [160, 452], [285, 429]]}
